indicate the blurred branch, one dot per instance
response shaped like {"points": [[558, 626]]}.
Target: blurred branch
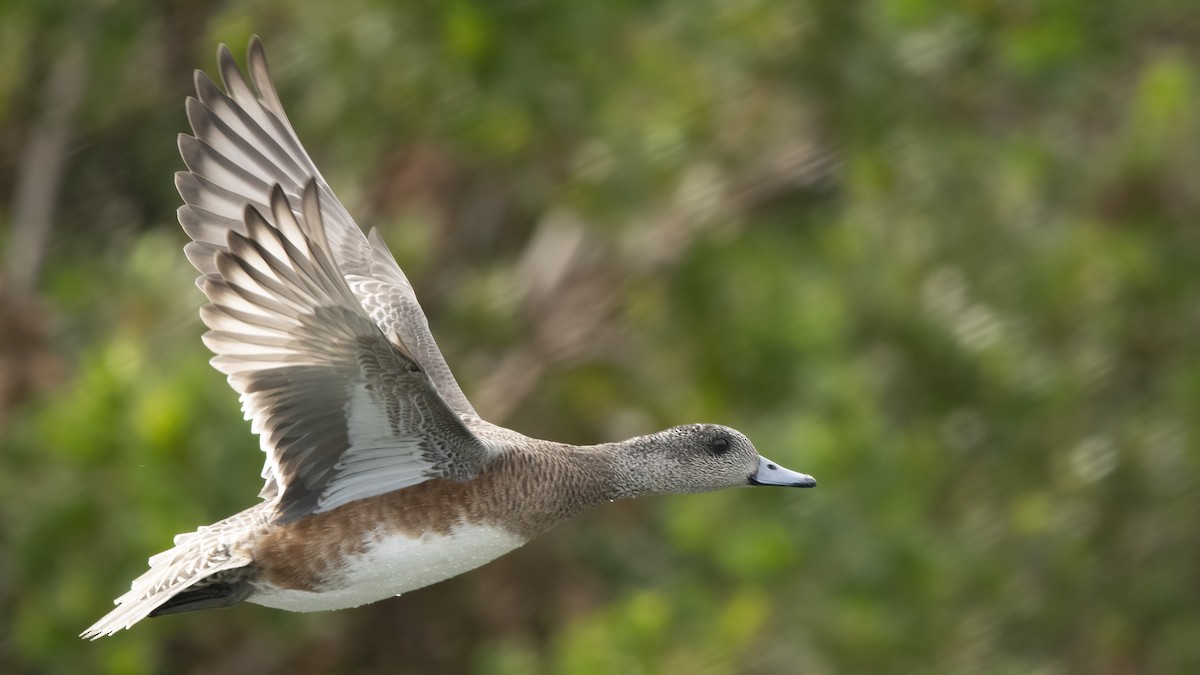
{"points": [[26, 365], [568, 286], [793, 166], [39, 177], [570, 283]]}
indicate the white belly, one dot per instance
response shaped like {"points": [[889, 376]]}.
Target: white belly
{"points": [[396, 564]]}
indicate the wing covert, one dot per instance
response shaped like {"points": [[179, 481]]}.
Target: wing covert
{"points": [[342, 411]]}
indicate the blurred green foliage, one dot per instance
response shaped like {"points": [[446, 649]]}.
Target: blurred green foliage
{"points": [[944, 256]]}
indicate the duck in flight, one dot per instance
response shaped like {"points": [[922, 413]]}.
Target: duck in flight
{"points": [[380, 476]]}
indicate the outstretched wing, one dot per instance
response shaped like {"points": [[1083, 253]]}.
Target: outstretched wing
{"points": [[243, 146], [342, 412], [320, 424]]}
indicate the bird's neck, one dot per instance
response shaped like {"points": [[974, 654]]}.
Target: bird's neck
{"points": [[557, 482]]}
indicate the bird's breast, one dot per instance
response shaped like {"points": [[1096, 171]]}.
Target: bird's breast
{"points": [[387, 563]]}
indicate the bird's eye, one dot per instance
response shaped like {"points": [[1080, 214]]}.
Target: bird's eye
{"points": [[719, 445]]}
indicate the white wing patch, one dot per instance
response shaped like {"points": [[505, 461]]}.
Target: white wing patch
{"points": [[377, 460]]}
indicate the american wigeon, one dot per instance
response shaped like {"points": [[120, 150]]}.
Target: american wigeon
{"points": [[380, 476]]}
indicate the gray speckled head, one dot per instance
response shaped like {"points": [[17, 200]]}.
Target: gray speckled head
{"points": [[695, 458]]}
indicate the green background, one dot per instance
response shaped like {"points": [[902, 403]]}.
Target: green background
{"points": [[943, 256]]}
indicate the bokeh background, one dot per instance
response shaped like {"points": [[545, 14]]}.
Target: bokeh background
{"points": [[945, 256]]}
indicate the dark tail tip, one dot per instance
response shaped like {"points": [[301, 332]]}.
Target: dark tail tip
{"points": [[210, 596]]}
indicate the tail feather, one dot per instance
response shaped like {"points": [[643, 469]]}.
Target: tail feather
{"points": [[197, 556], [215, 593]]}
